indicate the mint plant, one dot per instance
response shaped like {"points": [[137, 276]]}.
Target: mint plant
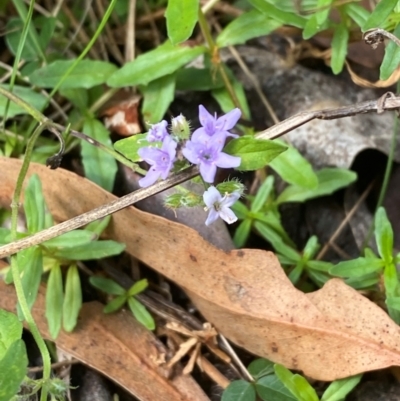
{"points": [[275, 382]]}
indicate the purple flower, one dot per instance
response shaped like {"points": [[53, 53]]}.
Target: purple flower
{"points": [[161, 161], [211, 125], [209, 156], [219, 206], [157, 132]]}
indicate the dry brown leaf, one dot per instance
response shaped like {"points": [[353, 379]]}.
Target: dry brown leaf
{"points": [[119, 347], [332, 333]]}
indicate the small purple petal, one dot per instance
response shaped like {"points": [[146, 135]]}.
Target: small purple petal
{"points": [[157, 132], [228, 120], [150, 178], [227, 215], [227, 161], [211, 196], [208, 171], [212, 216]]}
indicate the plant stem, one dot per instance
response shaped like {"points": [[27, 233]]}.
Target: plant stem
{"points": [[14, 267]]}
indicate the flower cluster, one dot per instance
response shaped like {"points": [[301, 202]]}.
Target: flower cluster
{"points": [[203, 148]]}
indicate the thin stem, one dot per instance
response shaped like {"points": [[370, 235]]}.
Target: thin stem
{"points": [[215, 57], [14, 266]]}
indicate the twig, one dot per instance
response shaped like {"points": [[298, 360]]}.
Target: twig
{"points": [[97, 213]]}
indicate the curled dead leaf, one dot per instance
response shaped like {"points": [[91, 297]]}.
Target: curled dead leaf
{"points": [[329, 334]]}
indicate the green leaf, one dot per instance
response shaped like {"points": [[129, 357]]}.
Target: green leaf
{"points": [[239, 390], [115, 304], [271, 388], [339, 48], [391, 60], [198, 79], [363, 282], [13, 368], [252, 24], [319, 265], [106, 285], [312, 27], [384, 235], [325, 6], [92, 250], [100, 167], [157, 96], [240, 210], [380, 14], [141, 314], [261, 367], [294, 168], [357, 267], [138, 287], [34, 205], [338, 390], [86, 74], [129, 147], [147, 67], [31, 262], [284, 17], [296, 273], [304, 388], [79, 97], [181, 18], [255, 153], [285, 376], [73, 299], [10, 331], [393, 302], [311, 248], [26, 94], [262, 194], [270, 235], [98, 226], [71, 239], [356, 12], [54, 300], [242, 233], [329, 181]]}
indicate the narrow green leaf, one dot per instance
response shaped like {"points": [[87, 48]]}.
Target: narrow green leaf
{"points": [[391, 60], [338, 390], [240, 210], [270, 235], [357, 267], [380, 14], [26, 94], [339, 48], [356, 12], [13, 368], [262, 194], [294, 168], [252, 24], [31, 262], [312, 27], [73, 299], [325, 6], [98, 226], [141, 314], [393, 302], [86, 74], [54, 301], [198, 79], [10, 330], [284, 17], [319, 278], [147, 67], [296, 273], [239, 390], [364, 282], [242, 233], [384, 235], [92, 250], [311, 248], [271, 388], [34, 205], [100, 167], [286, 376], [329, 181], [79, 97], [116, 304], [255, 153], [106, 285], [181, 18], [261, 367], [138, 287], [304, 388], [128, 147], [70, 239], [319, 265], [157, 96]]}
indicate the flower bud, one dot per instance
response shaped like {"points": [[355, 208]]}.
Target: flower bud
{"points": [[180, 128], [230, 187]]}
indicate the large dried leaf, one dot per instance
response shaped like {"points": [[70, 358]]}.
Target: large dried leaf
{"points": [[117, 346], [332, 333]]}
